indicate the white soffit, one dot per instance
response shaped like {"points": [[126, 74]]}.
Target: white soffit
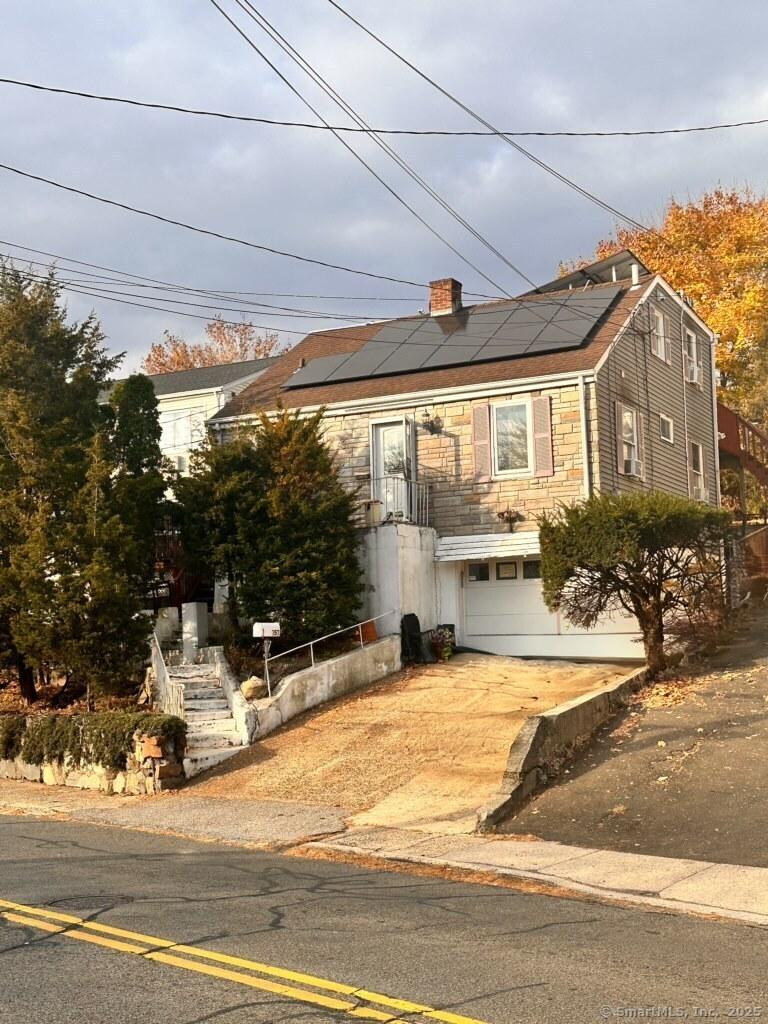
{"points": [[487, 545]]}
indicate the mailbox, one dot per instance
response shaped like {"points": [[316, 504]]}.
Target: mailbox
{"points": [[266, 630]]}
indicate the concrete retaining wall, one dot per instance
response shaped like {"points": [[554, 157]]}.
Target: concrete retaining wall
{"points": [[243, 712], [326, 681], [398, 562], [547, 741]]}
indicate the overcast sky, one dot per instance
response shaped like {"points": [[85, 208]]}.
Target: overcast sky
{"points": [[544, 65]]}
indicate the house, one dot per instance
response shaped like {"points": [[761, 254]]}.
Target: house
{"points": [[461, 426], [186, 399]]}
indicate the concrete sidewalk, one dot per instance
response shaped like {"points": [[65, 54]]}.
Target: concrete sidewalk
{"points": [[689, 886]]}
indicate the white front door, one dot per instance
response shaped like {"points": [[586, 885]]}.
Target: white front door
{"points": [[391, 469]]}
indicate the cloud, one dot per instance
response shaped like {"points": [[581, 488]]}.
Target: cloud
{"points": [[552, 65]]}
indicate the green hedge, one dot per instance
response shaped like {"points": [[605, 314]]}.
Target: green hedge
{"points": [[104, 739]]}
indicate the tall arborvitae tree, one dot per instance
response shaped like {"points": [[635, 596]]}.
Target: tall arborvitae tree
{"points": [[299, 560], [269, 512], [217, 502], [140, 477]]}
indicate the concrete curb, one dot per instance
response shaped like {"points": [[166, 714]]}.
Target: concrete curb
{"points": [[547, 741], [660, 883]]}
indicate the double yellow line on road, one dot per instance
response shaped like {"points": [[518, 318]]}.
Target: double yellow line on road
{"points": [[279, 981]]}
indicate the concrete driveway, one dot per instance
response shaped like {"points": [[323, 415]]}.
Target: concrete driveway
{"points": [[422, 749]]}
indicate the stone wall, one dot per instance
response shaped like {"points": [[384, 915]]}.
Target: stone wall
{"points": [[149, 770], [460, 504]]}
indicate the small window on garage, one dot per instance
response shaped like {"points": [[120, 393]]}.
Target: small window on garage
{"points": [[506, 570], [478, 572], [532, 570]]}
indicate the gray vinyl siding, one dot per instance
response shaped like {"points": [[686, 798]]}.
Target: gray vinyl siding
{"points": [[634, 376]]}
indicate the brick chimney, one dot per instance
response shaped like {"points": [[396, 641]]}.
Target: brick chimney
{"points": [[444, 296]]}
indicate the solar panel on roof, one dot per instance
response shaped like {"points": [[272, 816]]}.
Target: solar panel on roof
{"points": [[476, 335]]}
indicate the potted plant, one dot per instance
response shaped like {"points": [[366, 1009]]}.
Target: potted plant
{"points": [[443, 642]]}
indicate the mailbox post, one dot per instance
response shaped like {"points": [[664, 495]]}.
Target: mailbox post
{"points": [[266, 631]]}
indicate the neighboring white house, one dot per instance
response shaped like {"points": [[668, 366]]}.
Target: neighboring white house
{"points": [[186, 399]]}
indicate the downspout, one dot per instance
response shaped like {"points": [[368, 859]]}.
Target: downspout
{"points": [[585, 447], [685, 403], [716, 427]]}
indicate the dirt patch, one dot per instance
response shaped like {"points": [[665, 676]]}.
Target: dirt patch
{"points": [[423, 748]]}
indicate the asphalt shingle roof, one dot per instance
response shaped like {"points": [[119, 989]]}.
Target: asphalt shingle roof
{"points": [[202, 378], [265, 392]]}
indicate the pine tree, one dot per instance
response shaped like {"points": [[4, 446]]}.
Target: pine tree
{"points": [[51, 374], [81, 491]]}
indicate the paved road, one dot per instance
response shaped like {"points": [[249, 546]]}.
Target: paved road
{"points": [[687, 780], [474, 951]]}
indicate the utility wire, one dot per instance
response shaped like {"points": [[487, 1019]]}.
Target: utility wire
{"points": [[496, 131], [205, 231], [396, 195], [97, 289], [379, 131], [304, 64], [221, 292]]}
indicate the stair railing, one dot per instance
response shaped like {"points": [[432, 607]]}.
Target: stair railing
{"points": [[169, 694], [311, 644]]}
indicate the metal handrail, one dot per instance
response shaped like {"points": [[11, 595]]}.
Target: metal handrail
{"points": [[311, 644], [170, 694], [408, 501]]}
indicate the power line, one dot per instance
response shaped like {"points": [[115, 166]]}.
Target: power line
{"points": [[221, 292], [371, 170], [447, 132], [304, 64], [487, 124], [206, 231], [347, 329]]}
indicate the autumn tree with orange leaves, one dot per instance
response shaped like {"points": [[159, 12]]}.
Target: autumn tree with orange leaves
{"points": [[226, 343], [715, 249]]}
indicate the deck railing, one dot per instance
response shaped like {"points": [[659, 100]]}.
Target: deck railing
{"points": [[401, 500]]}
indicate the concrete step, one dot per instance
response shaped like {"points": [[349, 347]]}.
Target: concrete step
{"points": [[210, 725], [203, 693], [214, 704], [199, 760], [202, 712], [212, 740]]}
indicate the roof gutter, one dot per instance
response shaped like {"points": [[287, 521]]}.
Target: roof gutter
{"points": [[404, 401]]}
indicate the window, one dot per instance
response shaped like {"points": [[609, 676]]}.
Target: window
{"points": [[478, 572], [629, 441], [667, 429], [511, 439], [691, 364], [659, 340], [181, 428], [698, 490], [506, 570], [532, 570]]}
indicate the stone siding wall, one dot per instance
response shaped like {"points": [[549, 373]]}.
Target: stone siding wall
{"points": [[459, 504]]}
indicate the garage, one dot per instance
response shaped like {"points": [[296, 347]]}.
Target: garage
{"points": [[490, 586]]}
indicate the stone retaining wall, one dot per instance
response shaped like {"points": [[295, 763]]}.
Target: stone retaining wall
{"points": [[149, 770]]}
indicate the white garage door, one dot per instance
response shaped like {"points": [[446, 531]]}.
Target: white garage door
{"points": [[504, 613]]}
